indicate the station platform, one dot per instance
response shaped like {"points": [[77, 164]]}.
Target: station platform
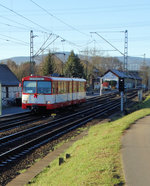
{"points": [[13, 110], [136, 153]]}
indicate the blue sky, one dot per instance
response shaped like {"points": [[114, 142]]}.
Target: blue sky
{"points": [[66, 26]]}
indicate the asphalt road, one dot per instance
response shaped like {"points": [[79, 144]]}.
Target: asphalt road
{"points": [[136, 153]]}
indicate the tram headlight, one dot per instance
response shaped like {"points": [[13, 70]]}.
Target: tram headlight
{"points": [[48, 102], [24, 101]]}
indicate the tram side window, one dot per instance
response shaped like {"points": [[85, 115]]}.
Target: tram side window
{"points": [[67, 87], [75, 86], [81, 86], [29, 87], [54, 87], [60, 87], [70, 87]]}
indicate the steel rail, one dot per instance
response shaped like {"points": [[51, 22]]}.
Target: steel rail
{"points": [[17, 152], [7, 124], [34, 143], [49, 125]]}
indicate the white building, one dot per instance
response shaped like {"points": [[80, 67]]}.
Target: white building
{"points": [[132, 79]]}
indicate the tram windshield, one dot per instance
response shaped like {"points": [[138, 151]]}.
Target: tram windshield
{"points": [[29, 87], [44, 87], [40, 87]]}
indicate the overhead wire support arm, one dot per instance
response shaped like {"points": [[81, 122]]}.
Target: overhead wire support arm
{"points": [[47, 46], [108, 42], [43, 45]]}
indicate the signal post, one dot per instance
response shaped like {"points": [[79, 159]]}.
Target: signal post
{"points": [[121, 90]]}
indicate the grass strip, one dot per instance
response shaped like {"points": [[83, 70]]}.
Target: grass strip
{"points": [[96, 159]]}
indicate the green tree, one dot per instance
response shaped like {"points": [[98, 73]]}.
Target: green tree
{"points": [[144, 73], [73, 66], [24, 70], [12, 66], [48, 65]]}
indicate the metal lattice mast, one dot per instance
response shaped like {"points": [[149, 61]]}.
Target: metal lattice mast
{"points": [[126, 51], [31, 52]]}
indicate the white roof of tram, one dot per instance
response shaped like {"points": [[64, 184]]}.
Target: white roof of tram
{"points": [[42, 78], [66, 79]]}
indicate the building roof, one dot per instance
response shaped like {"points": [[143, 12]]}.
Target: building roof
{"points": [[7, 77], [135, 75], [122, 74]]}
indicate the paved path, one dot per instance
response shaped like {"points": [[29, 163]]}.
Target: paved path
{"points": [[136, 153]]}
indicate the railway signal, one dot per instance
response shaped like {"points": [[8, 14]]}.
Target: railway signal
{"points": [[121, 90], [121, 84]]}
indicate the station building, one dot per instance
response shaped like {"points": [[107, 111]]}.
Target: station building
{"points": [[10, 85], [131, 79]]}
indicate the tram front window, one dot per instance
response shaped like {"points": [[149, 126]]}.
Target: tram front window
{"points": [[29, 87], [44, 87]]}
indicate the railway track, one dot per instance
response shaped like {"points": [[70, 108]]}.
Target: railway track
{"points": [[12, 121], [17, 145], [7, 125], [12, 117]]}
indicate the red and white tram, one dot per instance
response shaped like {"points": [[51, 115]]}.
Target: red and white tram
{"points": [[52, 92]]}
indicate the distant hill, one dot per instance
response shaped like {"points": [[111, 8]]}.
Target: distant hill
{"points": [[134, 63], [21, 59], [17, 60]]}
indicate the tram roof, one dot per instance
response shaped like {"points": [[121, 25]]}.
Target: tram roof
{"points": [[52, 78], [66, 79]]}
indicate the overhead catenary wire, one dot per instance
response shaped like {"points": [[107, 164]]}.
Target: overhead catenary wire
{"points": [[108, 42], [9, 25], [43, 28], [15, 39], [60, 20], [22, 16], [11, 20]]}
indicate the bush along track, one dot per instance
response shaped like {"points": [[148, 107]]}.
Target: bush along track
{"points": [[96, 158]]}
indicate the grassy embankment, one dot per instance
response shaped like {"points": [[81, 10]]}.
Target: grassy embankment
{"points": [[96, 159]]}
